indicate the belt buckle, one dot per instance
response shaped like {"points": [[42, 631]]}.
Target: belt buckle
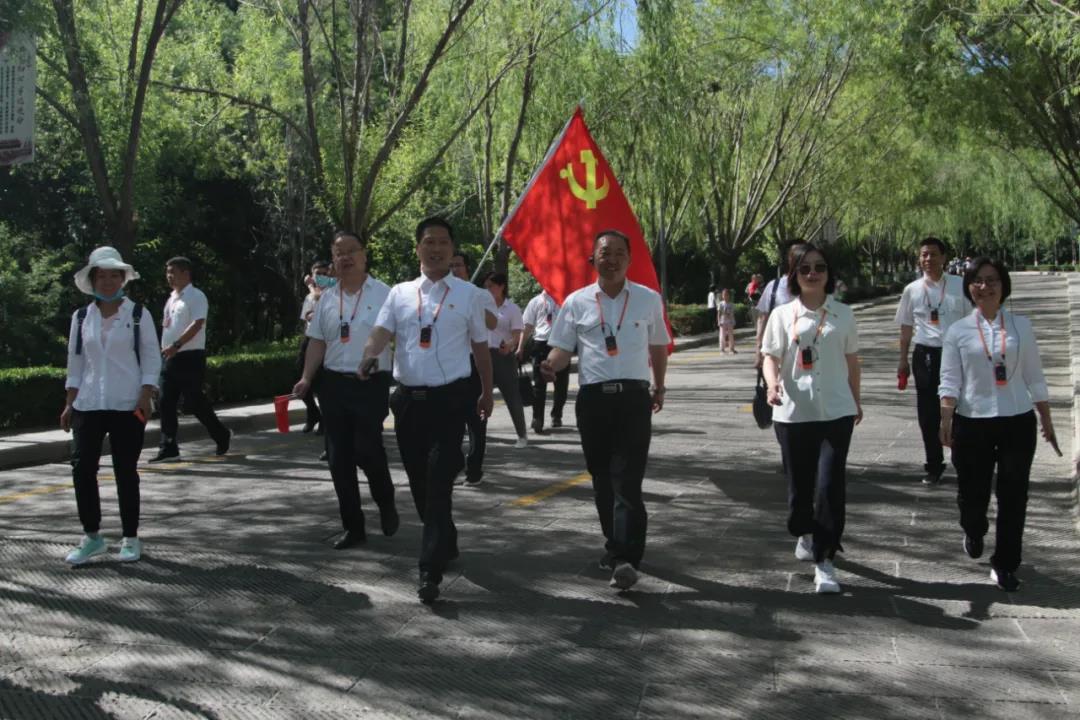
{"points": [[611, 388], [419, 394]]}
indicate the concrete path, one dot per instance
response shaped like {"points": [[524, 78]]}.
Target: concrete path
{"points": [[240, 608]]}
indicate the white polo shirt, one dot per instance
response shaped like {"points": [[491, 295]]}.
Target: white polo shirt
{"points": [[509, 319], [540, 313], [783, 296], [923, 296], [336, 306], [822, 392], [413, 304], [968, 376], [181, 309], [578, 325], [107, 374]]}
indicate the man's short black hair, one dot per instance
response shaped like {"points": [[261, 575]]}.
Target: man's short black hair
{"points": [[180, 263], [347, 233], [433, 221], [799, 253], [938, 242], [612, 232], [320, 265], [791, 247], [973, 270], [464, 258]]}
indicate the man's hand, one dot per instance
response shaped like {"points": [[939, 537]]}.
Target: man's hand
{"points": [[775, 395], [301, 389], [904, 368], [143, 403], [65, 419], [858, 413], [521, 354], [547, 371], [759, 359], [169, 352], [505, 349], [367, 368], [658, 399], [945, 431], [485, 405]]}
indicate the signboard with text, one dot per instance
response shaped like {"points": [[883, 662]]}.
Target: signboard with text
{"points": [[17, 78]]}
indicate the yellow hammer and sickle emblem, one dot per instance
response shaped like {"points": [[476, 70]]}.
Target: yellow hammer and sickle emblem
{"points": [[591, 194]]}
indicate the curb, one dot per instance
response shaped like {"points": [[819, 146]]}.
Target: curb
{"points": [[1074, 374]]}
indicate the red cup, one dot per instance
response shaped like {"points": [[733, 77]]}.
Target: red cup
{"points": [[281, 412], [901, 381]]}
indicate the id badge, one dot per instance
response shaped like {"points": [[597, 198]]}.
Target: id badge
{"points": [[611, 345], [550, 318], [345, 329], [934, 319], [999, 374], [806, 359], [425, 337]]}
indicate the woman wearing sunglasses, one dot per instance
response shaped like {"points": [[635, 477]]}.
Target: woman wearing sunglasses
{"points": [[991, 378], [812, 370]]}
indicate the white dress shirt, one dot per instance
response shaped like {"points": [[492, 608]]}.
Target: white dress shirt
{"points": [[783, 296], [310, 302], [924, 295], [107, 374], [181, 309], [540, 313], [460, 323], [578, 325], [336, 306], [509, 319], [968, 376], [821, 393]]}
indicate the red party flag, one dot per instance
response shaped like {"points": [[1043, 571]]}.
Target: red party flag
{"points": [[571, 197]]}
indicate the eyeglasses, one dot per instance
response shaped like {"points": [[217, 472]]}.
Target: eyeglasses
{"points": [[986, 281], [819, 268], [348, 253]]}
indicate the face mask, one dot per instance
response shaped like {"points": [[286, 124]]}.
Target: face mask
{"points": [[119, 294], [325, 281]]}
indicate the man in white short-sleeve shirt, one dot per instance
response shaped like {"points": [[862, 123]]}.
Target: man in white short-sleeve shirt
{"points": [[619, 330], [539, 318], [183, 348]]}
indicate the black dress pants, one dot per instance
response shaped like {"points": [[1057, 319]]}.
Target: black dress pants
{"points": [[182, 375], [476, 427], [353, 415], [815, 461], [125, 433], [540, 350], [980, 444], [926, 367], [429, 423], [615, 428]]}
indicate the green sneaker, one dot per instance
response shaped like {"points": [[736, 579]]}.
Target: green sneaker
{"points": [[89, 546], [130, 549]]}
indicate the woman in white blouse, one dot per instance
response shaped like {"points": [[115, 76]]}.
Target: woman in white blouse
{"points": [[503, 342], [113, 367], [811, 365], [991, 376]]}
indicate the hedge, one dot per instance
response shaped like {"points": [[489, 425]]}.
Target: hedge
{"points": [[697, 319], [32, 397]]}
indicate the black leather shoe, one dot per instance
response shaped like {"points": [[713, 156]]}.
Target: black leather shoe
{"points": [[931, 478], [165, 454], [350, 539], [325, 456], [428, 590], [223, 446], [310, 425], [973, 547], [1005, 580], [607, 562], [389, 520], [556, 422]]}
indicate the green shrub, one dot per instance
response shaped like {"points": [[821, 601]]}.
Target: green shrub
{"points": [[31, 397], [697, 319]]}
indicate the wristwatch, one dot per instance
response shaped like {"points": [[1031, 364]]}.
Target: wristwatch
{"points": [[177, 345]]}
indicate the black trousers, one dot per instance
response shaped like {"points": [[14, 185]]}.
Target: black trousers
{"points": [[540, 350], [815, 461], [429, 424], [182, 375], [926, 367], [313, 415], [125, 433], [353, 415], [615, 429], [476, 427], [978, 445]]}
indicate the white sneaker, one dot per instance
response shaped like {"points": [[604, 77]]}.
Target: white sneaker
{"points": [[804, 548], [825, 578], [130, 550], [89, 546], [624, 576], [521, 442]]}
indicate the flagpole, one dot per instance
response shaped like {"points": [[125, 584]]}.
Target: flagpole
{"points": [[528, 186]]}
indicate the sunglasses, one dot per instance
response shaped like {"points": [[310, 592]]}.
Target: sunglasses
{"points": [[819, 268], [986, 282]]}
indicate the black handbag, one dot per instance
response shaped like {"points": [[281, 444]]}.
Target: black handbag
{"points": [[525, 386], [762, 408]]}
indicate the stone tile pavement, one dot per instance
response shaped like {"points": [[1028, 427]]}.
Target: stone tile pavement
{"points": [[240, 608]]}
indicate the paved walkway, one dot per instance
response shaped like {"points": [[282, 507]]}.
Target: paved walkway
{"points": [[241, 609]]}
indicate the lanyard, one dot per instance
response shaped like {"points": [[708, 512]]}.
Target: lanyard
{"points": [[817, 334], [420, 305], [978, 324], [926, 295], [341, 305], [622, 315]]}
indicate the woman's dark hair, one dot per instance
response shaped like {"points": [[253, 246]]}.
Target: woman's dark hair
{"points": [[797, 256], [433, 222], [973, 270], [499, 279], [464, 258], [931, 240]]}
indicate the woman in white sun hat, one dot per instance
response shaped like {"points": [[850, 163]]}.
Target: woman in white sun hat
{"points": [[113, 367]]}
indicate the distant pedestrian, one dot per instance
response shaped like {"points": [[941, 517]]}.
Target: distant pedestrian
{"points": [[503, 342], [725, 321], [991, 377], [112, 371], [539, 317], [753, 290], [812, 370], [710, 305], [183, 346], [320, 279], [773, 295]]}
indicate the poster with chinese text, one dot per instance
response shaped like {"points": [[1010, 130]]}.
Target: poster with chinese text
{"points": [[17, 78]]}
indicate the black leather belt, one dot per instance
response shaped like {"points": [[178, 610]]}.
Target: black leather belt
{"points": [[617, 386], [425, 391]]}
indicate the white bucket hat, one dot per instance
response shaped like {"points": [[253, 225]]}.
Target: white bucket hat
{"points": [[106, 258]]}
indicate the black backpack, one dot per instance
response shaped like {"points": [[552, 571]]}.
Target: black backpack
{"points": [[136, 317]]}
